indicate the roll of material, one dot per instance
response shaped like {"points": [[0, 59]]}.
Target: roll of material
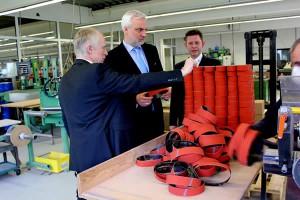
{"points": [[20, 135]]}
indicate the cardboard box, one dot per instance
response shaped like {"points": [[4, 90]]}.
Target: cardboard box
{"points": [[259, 106], [259, 117]]}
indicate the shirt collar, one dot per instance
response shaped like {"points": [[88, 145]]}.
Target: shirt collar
{"points": [[198, 59], [128, 47], [85, 60]]}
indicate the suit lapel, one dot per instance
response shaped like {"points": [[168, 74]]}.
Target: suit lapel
{"points": [[150, 60], [130, 62], [202, 62]]}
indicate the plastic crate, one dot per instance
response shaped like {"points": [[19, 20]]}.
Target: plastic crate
{"points": [[57, 161]]}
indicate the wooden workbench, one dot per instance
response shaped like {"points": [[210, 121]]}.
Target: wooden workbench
{"points": [[23, 104], [8, 122], [119, 178]]}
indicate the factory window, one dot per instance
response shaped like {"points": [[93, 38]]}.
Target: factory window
{"points": [[67, 33], [7, 26], [168, 53], [8, 42], [38, 49], [67, 30], [150, 38], [8, 49], [37, 29]]}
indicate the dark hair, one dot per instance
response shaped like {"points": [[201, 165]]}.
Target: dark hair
{"points": [[293, 47], [193, 32]]}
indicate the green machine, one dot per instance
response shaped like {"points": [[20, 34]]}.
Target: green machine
{"points": [[24, 72], [35, 68], [218, 53], [50, 112]]}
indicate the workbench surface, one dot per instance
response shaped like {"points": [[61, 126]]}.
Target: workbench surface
{"points": [[138, 183], [23, 104], [120, 179], [8, 122]]}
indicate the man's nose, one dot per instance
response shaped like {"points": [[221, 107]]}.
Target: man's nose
{"points": [[144, 33]]}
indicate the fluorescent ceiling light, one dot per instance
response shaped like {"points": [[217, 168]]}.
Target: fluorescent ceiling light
{"points": [[14, 43], [213, 8], [187, 11], [30, 7], [225, 23], [36, 34], [30, 47]]}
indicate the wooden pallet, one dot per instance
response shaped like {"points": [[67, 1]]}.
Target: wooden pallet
{"points": [[276, 186]]}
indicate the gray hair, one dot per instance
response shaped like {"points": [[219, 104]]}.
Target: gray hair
{"points": [[293, 47], [83, 38], [129, 15]]}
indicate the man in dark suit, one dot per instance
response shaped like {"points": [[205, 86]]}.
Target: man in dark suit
{"points": [[194, 43], [93, 115], [146, 112]]}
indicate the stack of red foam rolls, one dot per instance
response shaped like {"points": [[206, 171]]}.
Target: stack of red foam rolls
{"points": [[246, 94], [221, 98]]}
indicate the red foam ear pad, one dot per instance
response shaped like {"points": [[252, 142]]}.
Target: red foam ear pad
{"points": [[241, 142]]}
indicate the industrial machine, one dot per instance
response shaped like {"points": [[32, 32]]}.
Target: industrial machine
{"points": [[24, 72], [16, 136], [285, 160], [222, 54], [50, 114], [29, 73]]}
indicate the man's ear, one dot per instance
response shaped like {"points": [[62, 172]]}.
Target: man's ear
{"points": [[89, 49], [203, 43], [125, 30]]}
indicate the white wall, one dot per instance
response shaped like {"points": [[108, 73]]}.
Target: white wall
{"points": [[287, 32]]}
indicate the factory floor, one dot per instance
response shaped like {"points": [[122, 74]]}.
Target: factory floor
{"points": [[33, 184]]}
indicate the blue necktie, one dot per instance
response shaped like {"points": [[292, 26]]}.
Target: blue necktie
{"points": [[139, 60]]}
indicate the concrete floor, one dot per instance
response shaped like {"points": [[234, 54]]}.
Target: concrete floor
{"points": [[33, 184]]}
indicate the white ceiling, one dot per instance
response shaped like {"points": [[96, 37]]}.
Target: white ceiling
{"points": [[7, 5], [84, 15]]}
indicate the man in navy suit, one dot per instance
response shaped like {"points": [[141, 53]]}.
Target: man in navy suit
{"points": [[194, 43], [146, 112], [93, 115]]}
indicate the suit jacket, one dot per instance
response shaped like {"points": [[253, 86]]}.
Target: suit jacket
{"points": [[148, 120], [87, 95], [268, 125], [178, 93]]}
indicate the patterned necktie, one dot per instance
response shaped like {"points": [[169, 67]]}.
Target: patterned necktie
{"points": [[139, 60]]}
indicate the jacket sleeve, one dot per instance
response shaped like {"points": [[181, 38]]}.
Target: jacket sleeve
{"points": [[177, 101], [268, 125]]}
